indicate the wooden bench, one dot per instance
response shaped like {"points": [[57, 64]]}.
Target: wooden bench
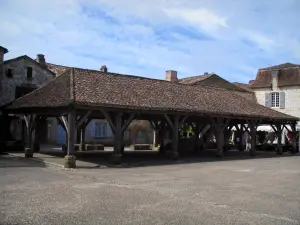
{"points": [[94, 147], [141, 147]]}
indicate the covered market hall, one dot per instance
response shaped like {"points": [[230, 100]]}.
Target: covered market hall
{"points": [[79, 95]]}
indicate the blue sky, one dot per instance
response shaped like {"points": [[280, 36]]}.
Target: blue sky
{"points": [[232, 38]]}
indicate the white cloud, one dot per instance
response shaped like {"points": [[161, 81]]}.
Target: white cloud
{"points": [[203, 18], [148, 37]]}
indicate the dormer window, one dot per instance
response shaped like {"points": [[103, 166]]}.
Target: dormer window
{"points": [[9, 73], [29, 73], [275, 73]]}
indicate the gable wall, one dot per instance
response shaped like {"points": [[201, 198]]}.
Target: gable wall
{"points": [[40, 77]]}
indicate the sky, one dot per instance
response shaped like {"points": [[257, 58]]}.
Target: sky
{"points": [[232, 38]]}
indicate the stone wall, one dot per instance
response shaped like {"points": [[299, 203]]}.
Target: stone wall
{"points": [[40, 77], [292, 97]]}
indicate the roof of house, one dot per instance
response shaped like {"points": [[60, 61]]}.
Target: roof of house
{"points": [[98, 89], [194, 79], [212, 80], [289, 75], [281, 66], [57, 69], [28, 58], [247, 87], [4, 49]]}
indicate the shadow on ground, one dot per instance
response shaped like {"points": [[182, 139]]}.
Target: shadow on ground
{"points": [[102, 159], [7, 161]]}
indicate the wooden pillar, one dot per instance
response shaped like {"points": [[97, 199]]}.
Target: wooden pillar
{"points": [[294, 138], [118, 126], [219, 125], [252, 124], [197, 140], [279, 129], [118, 134], [241, 136], [173, 123], [226, 137], [70, 158], [30, 121], [175, 137], [4, 128]]}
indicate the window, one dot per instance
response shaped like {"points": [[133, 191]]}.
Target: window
{"points": [[275, 99], [9, 73], [29, 72], [100, 129]]}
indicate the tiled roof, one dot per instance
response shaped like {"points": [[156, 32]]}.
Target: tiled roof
{"points": [[211, 80], [289, 75], [57, 69], [281, 66], [194, 79], [95, 88], [247, 87]]}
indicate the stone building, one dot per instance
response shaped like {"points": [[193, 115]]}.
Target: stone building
{"points": [[278, 87], [19, 76]]}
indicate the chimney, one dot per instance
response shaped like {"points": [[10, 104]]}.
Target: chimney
{"points": [[171, 75], [103, 69], [205, 73], [2, 52], [275, 76], [40, 58]]}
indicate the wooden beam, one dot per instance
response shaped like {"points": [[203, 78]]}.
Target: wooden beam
{"points": [[109, 120], [169, 121], [128, 121], [64, 120], [83, 119]]}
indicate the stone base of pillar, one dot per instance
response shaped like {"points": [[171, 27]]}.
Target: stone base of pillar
{"points": [[116, 158], [252, 153], [279, 151], [70, 161], [219, 154], [28, 153], [173, 155], [36, 147]]}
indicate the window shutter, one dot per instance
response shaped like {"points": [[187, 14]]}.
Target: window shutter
{"points": [[268, 100], [281, 100]]}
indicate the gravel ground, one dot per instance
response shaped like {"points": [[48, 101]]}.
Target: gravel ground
{"points": [[253, 191]]}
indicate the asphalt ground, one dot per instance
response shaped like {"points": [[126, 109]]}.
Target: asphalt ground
{"points": [[246, 191]]}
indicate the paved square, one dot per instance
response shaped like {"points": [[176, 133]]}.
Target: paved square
{"points": [[250, 191]]}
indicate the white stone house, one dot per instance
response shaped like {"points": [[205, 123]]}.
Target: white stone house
{"points": [[278, 87]]}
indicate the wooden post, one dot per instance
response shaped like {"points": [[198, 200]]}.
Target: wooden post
{"points": [[118, 126], [279, 129], [226, 137], [294, 138], [219, 125], [30, 121], [175, 137], [70, 159], [241, 136], [253, 126], [174, 127]]}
